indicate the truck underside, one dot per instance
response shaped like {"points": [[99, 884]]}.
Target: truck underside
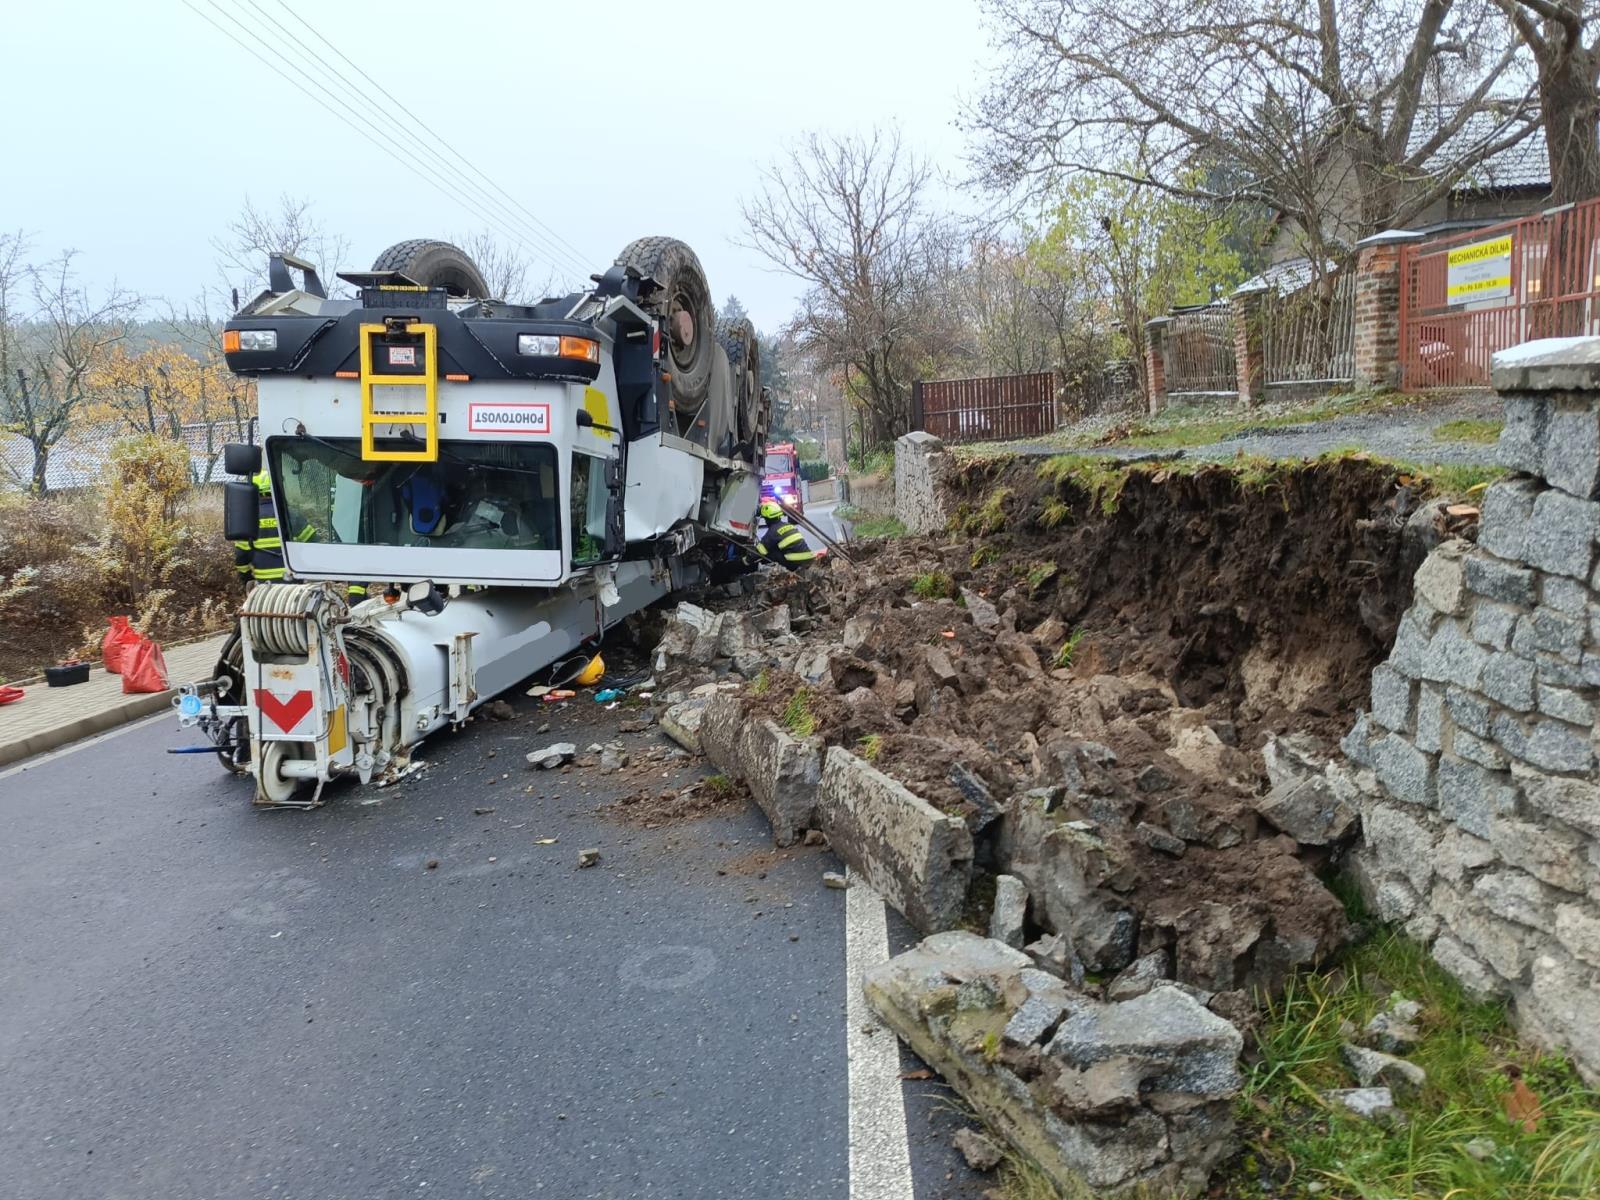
{"points": [[513, 480]]}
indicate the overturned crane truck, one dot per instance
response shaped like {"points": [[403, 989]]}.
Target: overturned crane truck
{"points": [[515, 479]]}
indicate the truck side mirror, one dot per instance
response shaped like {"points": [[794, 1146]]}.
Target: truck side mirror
{"points": [[241, 460], [241, 510]]}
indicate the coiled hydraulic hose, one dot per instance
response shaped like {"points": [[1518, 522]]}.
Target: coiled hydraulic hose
{"points": [[278, 617]]}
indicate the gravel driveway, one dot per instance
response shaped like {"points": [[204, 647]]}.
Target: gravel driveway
{"points": [[1403, 432]]}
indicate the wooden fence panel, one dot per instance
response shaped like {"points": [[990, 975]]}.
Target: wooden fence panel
{"points": [[994, 409]]}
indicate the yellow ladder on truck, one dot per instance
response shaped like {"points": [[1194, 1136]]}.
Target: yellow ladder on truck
{"points": [[428, 381]]}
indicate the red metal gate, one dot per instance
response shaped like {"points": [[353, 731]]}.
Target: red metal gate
{"points": [[998, 408], [1452, 323]]}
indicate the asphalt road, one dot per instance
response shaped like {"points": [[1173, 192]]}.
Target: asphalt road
{"points": [[204, 1000]]}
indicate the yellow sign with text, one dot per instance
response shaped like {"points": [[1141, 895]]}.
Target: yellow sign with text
{"points": [[1480, 271]]}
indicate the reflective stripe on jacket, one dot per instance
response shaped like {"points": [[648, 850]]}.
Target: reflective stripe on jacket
{"points": [[785, 543]]}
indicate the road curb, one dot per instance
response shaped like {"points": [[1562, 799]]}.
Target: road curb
{"points": [[85, 726]]}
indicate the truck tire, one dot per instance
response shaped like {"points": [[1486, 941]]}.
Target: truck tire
{"points": [[685, 302], [433, 263], [737, 337]]}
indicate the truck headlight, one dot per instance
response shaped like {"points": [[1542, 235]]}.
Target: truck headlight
{"points": [[541, 345], [234, 340]]}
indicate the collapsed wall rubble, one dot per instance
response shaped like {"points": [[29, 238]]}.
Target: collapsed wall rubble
{"points": [[1483, 834], [1155, 799], [1120, 1097]]}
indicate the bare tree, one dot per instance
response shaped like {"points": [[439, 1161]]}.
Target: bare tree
{"points": [[848, 216], [290, 228], [53, 335], [507, 271], [1340, 116], [1569, 74]]}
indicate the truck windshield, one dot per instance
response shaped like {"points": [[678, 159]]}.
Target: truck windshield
{"points": [[477, 496], [780, 464]]}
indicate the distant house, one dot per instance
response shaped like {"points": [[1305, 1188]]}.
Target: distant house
{"points": [[79, 460], [1512, 183]]}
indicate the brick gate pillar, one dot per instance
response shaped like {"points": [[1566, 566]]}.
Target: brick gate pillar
{"points": [[1377, 301], [1249, 344], [1155, 363]]}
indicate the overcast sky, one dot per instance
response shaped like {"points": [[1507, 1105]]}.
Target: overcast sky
{"points": [[132, 132]]}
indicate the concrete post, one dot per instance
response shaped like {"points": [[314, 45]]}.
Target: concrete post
{"points": [[1155, 363], [1245, 312], [1377, 300]]}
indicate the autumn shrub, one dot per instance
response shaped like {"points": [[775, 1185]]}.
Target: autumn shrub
{"points": [[145, 543]]}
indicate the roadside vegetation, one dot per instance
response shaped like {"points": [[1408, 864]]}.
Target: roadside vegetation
{"points": [[1497, 1117], [1480, 432], [145, 543]]}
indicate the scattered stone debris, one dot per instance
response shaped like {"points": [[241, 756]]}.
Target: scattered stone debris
{"points": [[682, 721], [1010, 910], [499, 710], [980, 1150], [1374, 1067], [1394, 1030], [814, 837], [589, 857], [553, 755], [431, 865], [613, 758], [1375, 1103], [1139, 976], [833, 879], [1480, 1149], [1102, 1097], [482, 812]]}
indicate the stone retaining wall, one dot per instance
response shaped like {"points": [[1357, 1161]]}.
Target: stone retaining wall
{"points": [[1483, 833], [920, 463]]}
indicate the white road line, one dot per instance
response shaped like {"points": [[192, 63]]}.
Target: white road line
{"points": [[880, 1156], [29, 764]]}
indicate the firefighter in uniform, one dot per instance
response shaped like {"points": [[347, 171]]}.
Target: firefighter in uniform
{"points": [[261, 560], [781, 541]]}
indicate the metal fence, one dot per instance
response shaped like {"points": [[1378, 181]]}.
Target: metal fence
{"points": [[997, 408], [1308, 335], [1464, 297], [1199, 353], [79, 459]]}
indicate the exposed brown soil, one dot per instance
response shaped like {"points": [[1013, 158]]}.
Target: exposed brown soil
{"points": [[1210, 612], [652, 808]]}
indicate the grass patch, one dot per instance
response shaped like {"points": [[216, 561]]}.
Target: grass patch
{"points": [[982, 556], [1102, 479], [865, 524], [721, 787], [1468, 1050], [1183, 426], [1040, 574], [1053, 513], [797, 717], [990, 516], [1063, 658], [1448, 480], [870, 747], [933, 585], [762, 682], [1481, 432]]}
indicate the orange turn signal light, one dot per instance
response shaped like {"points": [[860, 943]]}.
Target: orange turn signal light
{"points": [[347, 374], [577, 347], [458, 378], [230, 341]]}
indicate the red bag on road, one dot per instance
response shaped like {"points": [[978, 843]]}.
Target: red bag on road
{"points": [[119, 639], [144, 669]]}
